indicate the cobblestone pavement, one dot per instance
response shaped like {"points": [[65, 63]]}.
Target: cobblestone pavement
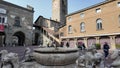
{"points": [[20, 50]]}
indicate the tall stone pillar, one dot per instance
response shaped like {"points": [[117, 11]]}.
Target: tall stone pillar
{"points": [[85, 42], [97, 40], [75, 41], [0, 40], [112, 40], [3, 37], [8, 39]]}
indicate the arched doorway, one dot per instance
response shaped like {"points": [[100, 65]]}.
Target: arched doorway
{"points": [[72, 43], [104, 39], [91, 40], [36, 41], [21, 38], [2, 38], [64, 42], [80, 40]]}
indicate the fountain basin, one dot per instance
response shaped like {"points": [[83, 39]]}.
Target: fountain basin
{"points": [[53, 57]]}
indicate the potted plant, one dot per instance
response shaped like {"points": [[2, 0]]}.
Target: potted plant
{"points": [[98, 46]]}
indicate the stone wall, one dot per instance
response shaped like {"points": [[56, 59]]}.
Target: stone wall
{"points": [[19, 21]]}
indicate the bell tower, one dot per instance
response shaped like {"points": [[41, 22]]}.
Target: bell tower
{"points": [[59, 10]]}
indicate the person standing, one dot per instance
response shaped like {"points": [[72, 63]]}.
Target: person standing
{"points": [[83, 46], [62, 43], [106, 49], [67, 45]]}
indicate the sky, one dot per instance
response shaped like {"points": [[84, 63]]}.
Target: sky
{"points": [[44, 7]]}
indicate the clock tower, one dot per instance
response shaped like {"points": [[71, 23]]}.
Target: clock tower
{"points": [[59, 10]]}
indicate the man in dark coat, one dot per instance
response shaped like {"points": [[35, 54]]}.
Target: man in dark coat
{"points": [[106, 49]]}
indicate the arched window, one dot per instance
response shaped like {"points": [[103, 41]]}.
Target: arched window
{"points": [[17, 21], [99, 24], [2, 19], [82, 27], [69, 29]]}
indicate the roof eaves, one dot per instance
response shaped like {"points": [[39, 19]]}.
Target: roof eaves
{"points": [[90, 7], [10, 4]]}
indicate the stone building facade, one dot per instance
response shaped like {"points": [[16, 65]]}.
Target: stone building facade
{"points": [[59, 10], [47, 30], [94, 25], [15, 24]]}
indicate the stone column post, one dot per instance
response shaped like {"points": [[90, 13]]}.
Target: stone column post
{"points": [[0, 40], [97, 40], [75, 41], [8, 40], [3, 37], [112, 40], [85, 42]]}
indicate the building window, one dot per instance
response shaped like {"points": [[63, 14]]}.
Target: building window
{"points": [[61, 34], [82, 27], [98, 10], [70, 29], [118, 4], [82, 15], [3, 11], [99, 24], [69, 18], [17, 21], [2, 19]]}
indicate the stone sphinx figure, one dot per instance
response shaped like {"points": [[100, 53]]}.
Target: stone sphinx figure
{"points": [[27, 55], [9, 60], [90, 58], [115, 56]]}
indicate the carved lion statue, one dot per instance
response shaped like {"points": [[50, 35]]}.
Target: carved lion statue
{"points": [[90, 58], [9, 60], [115, 55]]}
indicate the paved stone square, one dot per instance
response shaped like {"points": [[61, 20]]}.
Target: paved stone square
{"points": [[20, 51]]}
